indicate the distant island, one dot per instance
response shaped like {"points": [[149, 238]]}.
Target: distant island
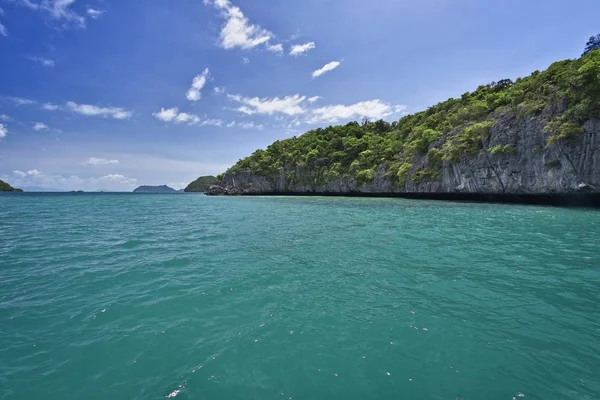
{"points": [[201, 184], [155, 189], [5, 187]]}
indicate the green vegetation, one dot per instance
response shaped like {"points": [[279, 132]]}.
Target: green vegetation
{"points": [[201, 184], [5, 187], [502, 149], [444, 134]]}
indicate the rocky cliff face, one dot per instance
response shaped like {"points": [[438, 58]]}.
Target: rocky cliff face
{"points": [[525, 164]]}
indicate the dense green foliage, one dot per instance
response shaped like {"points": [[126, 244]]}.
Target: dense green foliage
{"points": [[358, 150], [5, 187], [201, 184]]}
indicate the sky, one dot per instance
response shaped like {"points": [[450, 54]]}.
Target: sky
{"points": [[112, 94]]}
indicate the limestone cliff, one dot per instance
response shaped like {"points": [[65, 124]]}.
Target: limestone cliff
{"points": [[538, 135]]}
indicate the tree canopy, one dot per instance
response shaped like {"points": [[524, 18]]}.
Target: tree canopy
{"points": [[201, 184], [5, 187], [592, 44]]}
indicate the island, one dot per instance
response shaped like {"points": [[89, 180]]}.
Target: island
{"points": [[155, 189], [538, 135], [201, 184], [5, 187]]}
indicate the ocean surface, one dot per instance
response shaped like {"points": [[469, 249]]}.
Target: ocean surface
{"points": [[132, 296]]}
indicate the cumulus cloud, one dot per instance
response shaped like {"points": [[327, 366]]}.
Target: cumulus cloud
{"points": [[372, 109], [194, 94], [33, 172], [39, 126], [167, 115], [219, 90], [289, 105], [95, 14], [211, 122], [46, 62], [191, 119], [92, 110], [276, 48], [50, 107], [116, 178], [173, 115], [4, 117], [58, 10], [299, 49], [246, 60], [326, 68], [3, 131], [238, 32], [301, 108], [100, 161], [245, 125]]}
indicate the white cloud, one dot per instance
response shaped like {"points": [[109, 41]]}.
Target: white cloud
{"points": [[314, 99], [4, 117], [245, 125], [191, 119], [238, 32], [167, 115], [3, 31], [194, 94], [219, 90], [246, 60], [91, 110], [212, 122], [50, 107], [19, 101], [101, 161], [95, 14], [57, 9], [289, 105], [372, 109], [33, 172], [299, 49], [275, 48], [3, 131], [116, 178], [173, 115], [326, 68], [46, 62], [39, 126]]}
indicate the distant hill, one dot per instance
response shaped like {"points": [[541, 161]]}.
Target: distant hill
{"points": [[155, 189], [201, 184], [5, 187]]}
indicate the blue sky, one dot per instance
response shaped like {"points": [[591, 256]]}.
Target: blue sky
{"points": [[106, 94]]}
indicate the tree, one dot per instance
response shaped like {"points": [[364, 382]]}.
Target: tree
{"points": [[592, 44]]}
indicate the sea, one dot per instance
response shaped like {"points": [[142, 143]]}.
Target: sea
{"points": [[186, 296]]}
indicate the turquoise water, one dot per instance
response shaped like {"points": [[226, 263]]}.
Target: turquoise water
{"points": [[147, 296]]}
